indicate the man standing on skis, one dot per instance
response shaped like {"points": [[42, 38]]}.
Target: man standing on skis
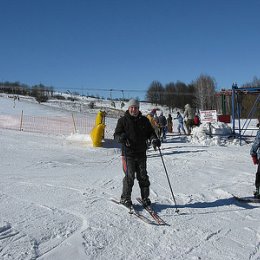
{"points": [[255, 153], [132, 131]]}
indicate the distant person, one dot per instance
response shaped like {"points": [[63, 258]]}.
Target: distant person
{"points": [[255, 153], [169, 123], [189, 118], [154, 121], [180, 123], [196, 120], [162, 126], [132, 131], [156, 118]]}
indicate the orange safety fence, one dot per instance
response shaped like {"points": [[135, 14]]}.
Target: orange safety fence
{"points": [[48, 124]]}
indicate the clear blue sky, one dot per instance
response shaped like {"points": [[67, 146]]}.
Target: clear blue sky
{"points": [[126, 44]]}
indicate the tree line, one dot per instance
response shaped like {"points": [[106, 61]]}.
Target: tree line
{"points": [[201, 94], [40, 91]]}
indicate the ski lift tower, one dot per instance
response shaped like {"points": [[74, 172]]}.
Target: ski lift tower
{"points": [[236, 107]]}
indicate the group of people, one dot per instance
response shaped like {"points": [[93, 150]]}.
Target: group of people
{"points": [[159, 124], [133, 130], [163, 125]]}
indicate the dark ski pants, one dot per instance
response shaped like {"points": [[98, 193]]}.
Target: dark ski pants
{"points": [[162, 132], [135, 167], [257, 177], [189, 125]]}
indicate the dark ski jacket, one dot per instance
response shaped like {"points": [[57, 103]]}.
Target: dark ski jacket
{"points": [[138, 130], [162, 121]]}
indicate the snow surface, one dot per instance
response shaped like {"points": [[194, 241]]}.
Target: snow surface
{"points": [[55, 193]]}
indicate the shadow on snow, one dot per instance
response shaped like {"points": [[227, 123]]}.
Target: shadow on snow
{"points": [[205, 205]]}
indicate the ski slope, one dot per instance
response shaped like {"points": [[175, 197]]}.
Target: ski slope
{"points": [[55, 196]]}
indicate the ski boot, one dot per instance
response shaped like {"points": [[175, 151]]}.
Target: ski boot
{"points": [[146, 202], [126, 202]]}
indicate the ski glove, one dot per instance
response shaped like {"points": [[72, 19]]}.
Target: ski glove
{"points": [[156, 142], [255, 160]]}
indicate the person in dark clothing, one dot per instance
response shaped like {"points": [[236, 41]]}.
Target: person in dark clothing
{"points": [[196, 120], [132, 131], [162, 126], [189, 116], [169, 123]]}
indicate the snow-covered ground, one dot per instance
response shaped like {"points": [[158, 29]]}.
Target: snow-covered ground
{"points": [[55, 193]]}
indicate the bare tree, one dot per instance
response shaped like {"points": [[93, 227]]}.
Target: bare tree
{"points": [[170, 94], [155, 93], [185, 94], [205, 92]]}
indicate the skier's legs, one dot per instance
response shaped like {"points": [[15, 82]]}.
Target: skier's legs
{"points": [[128, 180], [142, 177], [179, 128], [169, 126], [190, 125], [164, 132], [160, 132], [182, 128]]}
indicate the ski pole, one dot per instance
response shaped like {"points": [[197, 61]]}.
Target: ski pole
{"points": [[177, 210]]}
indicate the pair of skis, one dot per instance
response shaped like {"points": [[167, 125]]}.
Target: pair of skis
{"points": [[149, 209]]}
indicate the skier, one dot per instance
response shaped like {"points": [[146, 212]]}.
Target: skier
{"points": [[180, 125], [169, 123], [132, 131], [189, 115], [162, 126], [255, 153]]}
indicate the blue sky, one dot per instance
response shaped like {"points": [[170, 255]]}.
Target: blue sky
{"points": [[89, 45]]}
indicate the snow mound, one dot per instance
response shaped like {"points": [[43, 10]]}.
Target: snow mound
{"points": [[211, 134]]}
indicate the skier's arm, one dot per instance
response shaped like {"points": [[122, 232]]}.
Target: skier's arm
{"points": [[120, 135]]}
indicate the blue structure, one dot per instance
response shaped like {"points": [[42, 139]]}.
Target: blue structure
{"points": [[236, 107]]}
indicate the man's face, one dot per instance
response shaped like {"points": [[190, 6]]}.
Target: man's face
{"points": [[133, 111]]}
